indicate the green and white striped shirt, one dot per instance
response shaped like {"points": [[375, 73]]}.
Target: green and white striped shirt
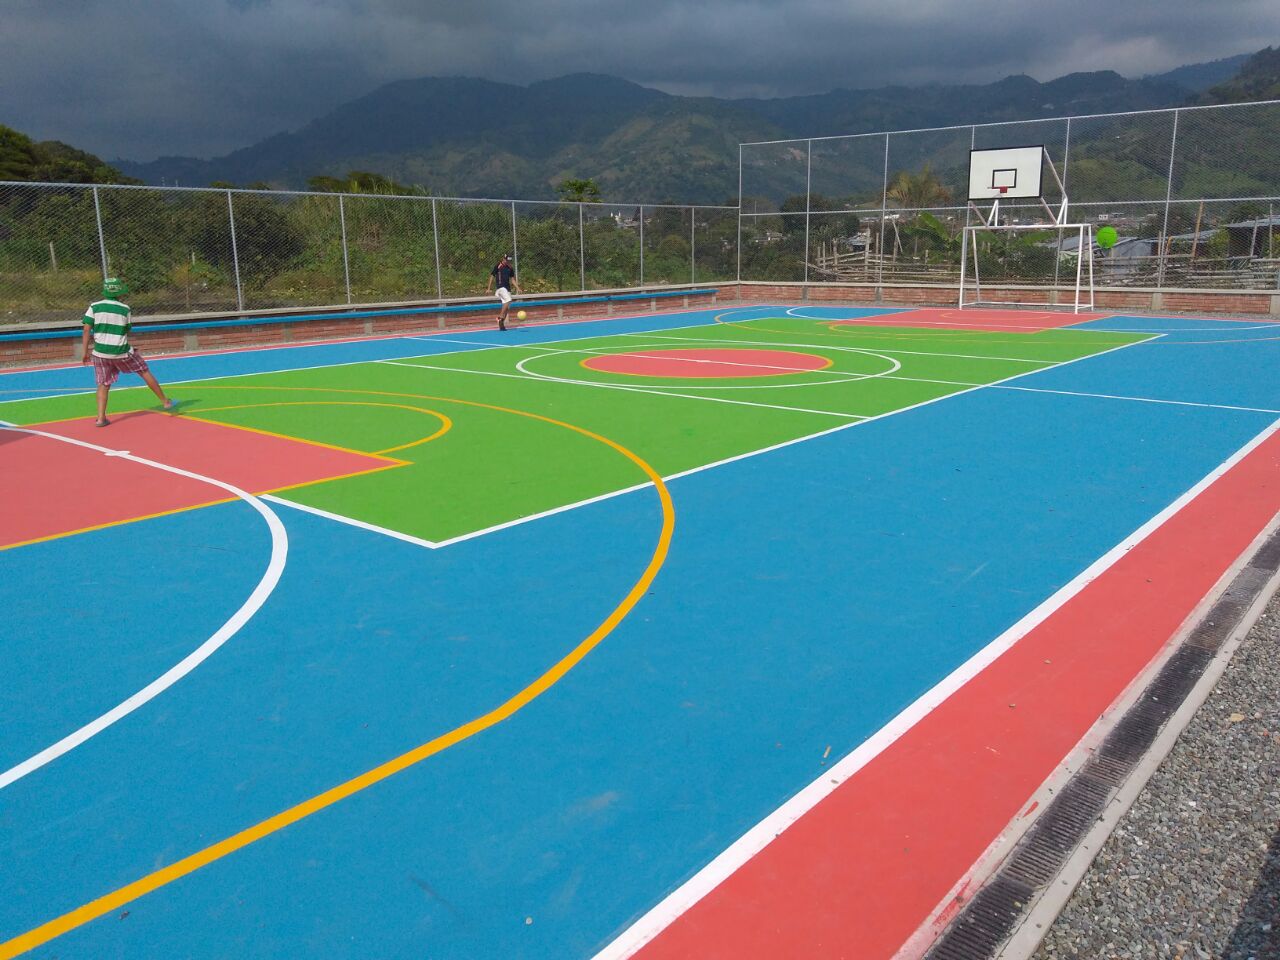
{"points": [[108, 320]]}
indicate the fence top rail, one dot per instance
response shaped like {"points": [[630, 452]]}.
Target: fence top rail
{"points": [[46, 184], [956, 208], [251, 318], [1008, 123]]}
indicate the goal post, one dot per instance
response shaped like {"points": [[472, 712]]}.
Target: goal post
{"points": [[1018, 255], [998, 259]]}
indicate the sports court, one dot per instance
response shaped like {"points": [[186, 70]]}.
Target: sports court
{"points": [[733, 633]]}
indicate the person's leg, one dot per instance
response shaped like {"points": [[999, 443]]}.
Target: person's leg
{"points": [[135, 364], [505, 297], [149, 379], [103, 390]]}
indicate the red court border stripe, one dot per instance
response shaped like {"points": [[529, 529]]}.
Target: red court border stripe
{"points": [[866, 868]]}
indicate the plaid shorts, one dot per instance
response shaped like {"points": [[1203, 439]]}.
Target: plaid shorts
{"points": [[107, 370]]}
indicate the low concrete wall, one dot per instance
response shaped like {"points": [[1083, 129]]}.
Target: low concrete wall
{"points": [[23, 346]]}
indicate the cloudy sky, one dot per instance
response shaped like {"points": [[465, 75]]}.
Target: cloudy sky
{"points": [[141, 78]]}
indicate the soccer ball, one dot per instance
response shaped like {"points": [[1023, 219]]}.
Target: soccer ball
{"points": [[519, 314]]}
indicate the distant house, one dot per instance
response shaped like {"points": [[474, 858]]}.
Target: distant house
{"points": [[1253, 238]]}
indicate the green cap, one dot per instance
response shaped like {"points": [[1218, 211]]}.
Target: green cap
{"points": [[114, 287]]}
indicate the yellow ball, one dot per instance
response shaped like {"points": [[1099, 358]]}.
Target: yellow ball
{"points": [[519, 314]]}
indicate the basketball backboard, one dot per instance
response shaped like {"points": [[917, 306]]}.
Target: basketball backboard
{"points": [[1006, 173]]}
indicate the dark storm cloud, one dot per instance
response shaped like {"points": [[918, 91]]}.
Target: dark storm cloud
{"points": [[153, 77]]}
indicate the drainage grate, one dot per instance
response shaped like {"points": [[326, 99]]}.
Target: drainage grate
{"points": [[986, 922], [1268, 556]]}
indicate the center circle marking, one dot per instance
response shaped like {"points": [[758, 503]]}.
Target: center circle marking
{"points": [[707, 363]]}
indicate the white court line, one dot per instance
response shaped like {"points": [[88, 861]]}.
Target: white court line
{"points": [[275, 567], [1242, 326], [823, 346], [841, 375], [879, 320], [533, 378], [352, 522], [668, 477], [767, 830], [352, 363], [1110, 396], [894, 366]]}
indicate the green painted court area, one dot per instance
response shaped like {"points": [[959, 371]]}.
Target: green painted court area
{"points": [[492, 434]]}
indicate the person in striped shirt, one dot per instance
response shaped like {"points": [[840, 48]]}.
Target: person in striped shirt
{"points": [[106, 345]]}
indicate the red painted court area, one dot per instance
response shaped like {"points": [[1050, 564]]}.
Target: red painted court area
{"points": [[692, 364], [55, 488], [973, 318], [872, 860]]}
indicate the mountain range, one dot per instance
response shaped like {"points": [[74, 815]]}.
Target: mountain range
{"points": [[459, 136]]}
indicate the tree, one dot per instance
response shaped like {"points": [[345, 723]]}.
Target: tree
{"points": [[579, 191], [916, 191]]}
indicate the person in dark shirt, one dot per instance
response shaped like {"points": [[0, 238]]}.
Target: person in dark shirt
{"points": [[504, 274]]}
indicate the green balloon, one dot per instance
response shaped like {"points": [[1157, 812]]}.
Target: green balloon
{"points": [[1107, 237]]}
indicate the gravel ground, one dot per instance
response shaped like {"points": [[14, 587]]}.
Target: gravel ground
{"points": [[1192, 872]]}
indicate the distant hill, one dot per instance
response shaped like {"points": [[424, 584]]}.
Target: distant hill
{"points": [[472, 137], [1198, 77], [51, 161], [1258, 79]]}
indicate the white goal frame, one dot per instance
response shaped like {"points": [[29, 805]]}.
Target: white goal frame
{"points": [[990, 223], [1084, 287]]}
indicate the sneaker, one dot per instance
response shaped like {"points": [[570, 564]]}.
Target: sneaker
{"points": [[502, 324], [101, 423], [170, 404]]}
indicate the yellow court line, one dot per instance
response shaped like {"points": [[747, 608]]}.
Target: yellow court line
{"points": [[195, 415], [782, 371], [446, 423], [120, 523], [189, 864]]}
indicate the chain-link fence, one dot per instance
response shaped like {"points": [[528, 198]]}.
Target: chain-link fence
{"points": [[1192, 192], [193, 250]]}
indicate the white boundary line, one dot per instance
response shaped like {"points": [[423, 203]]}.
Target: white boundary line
{"points": [[842, 377], [534, 378], [1047, 903], [1111, 396], [762, 834], [668, 477], [266, 585], [351, 363], [914, 353], [1247, 326]]}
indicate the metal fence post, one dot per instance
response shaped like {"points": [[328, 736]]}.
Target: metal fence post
{"points": [[346, 264], [884, 210], [435, 239], [1066, 173], [582, 251], [808, 203], [641, 244], [102, 240], [515, 244], [1168, 195], [693, 241], [739, 218], [235, 253]]}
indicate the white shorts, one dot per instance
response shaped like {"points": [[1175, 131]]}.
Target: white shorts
{"points": [[504, 295]]}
